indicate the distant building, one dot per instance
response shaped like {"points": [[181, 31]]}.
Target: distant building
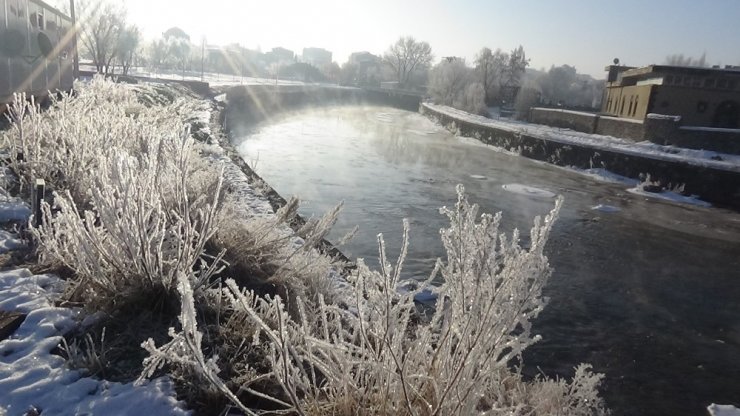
{"points": [[367, 68], [705, 97], [235, 59], [317, 57], [36, 49], [280, 56]]}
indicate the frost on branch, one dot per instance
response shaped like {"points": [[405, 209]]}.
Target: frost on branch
{"points": [[380, 357]]}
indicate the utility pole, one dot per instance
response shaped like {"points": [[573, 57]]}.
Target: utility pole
{"points": [[76, 56]]}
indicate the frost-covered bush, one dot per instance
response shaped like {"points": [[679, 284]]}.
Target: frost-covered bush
{"points": [[63, 143], [377, 355], [125, 215]]}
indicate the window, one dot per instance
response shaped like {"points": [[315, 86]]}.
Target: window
{"points": [[677, 80], [37, 20], [696, 82], [722, 83], [669, 79], [634, 110], [629, 110], [710, 83], [621, 110]]}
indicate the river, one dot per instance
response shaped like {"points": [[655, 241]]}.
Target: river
{"points": [[645, 290]]}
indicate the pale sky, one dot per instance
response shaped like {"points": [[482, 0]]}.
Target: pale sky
{"points": [[588, 34]]}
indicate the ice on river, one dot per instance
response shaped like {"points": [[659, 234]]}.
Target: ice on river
{"points": [[606, 208], [527, 190]]}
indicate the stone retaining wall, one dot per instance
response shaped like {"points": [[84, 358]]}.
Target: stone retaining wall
{"points": [[721, 187]]}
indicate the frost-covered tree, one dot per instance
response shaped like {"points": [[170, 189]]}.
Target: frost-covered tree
{"points": [[406, 56], [489, 67], [453, 83]]}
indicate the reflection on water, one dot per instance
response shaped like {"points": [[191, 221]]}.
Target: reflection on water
{"points": [[646, 290]]}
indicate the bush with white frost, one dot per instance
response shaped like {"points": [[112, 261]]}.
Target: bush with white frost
{"points": [[379, 356], [138, 213]]}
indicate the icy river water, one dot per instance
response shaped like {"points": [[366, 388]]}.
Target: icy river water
{"points": [[645, 290]]}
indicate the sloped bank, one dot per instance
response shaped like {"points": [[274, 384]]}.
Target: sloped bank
{"points": [[710, 181]]}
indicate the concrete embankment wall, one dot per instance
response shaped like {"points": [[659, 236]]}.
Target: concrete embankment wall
{"points": [[251, 104], [721, 187], [660, 130]]}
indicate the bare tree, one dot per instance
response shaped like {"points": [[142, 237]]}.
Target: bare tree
{"points": [[681, 60], [101, 23], [407, 55]]}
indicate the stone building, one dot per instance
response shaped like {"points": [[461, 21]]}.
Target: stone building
{"points": [[317, 57], [36, 49], [702, 97]]}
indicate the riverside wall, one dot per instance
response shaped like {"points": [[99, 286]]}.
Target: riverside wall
{"points": [[719, 186], [251, 104]]}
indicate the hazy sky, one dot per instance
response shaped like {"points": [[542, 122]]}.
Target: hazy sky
{"points": [[586, 33]]}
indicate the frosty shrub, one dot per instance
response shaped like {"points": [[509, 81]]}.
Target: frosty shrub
{"points": [[265, 250], [63, 144], [124, 218], [379, 356]]}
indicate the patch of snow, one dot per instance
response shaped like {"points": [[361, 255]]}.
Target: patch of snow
{"points": [[10, 241], [481, 177], [671, 196], [14, 209], [528, 190], [604, 175], [558, 110], [715, 129], [723, 410], [626, 120], [655, 116], [606, 208], [32, 377]]}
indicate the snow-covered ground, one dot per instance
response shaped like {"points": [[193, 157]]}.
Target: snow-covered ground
{"points": [[31, 375], [212, 78], [597, 142]]}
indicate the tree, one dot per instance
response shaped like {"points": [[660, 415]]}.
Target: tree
{"points": [[680, 60], [453, 83], [515, 67], [178, 47], [407, 55], [157, 53], [489, 67], [101, 24], [127, 45]]}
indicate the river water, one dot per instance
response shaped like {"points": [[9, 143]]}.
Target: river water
{"points": [[645, 290]]}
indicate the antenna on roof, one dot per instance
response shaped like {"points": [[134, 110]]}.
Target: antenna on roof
{"points": [[616, 61]]}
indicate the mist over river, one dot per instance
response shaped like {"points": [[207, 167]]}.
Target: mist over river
{"points": [[645, 290]]}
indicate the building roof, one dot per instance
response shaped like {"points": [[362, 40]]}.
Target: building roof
{"points": [[53, 9], [689, 70]]}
